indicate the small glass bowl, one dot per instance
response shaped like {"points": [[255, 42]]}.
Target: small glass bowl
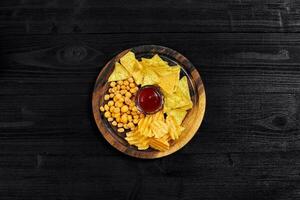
{"points": [[157, 91]]}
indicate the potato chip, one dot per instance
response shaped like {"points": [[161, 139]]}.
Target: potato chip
{"points": [[166, 137], [181, 128], [153, 125], [141, 123], [138, 140], [178, 115], [156, 123], [174, 129], [159, 128], [144, 126], [119, 73], [147, 132], [145, 122], [159, 144], [158, 116]]}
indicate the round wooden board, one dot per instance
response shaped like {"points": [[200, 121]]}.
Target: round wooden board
{"points": [[191, 122]]}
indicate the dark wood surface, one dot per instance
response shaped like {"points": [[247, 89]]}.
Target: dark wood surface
{"points": [[247, 51]]}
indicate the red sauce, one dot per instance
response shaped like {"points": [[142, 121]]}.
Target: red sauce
{"points": [[149, 99]]}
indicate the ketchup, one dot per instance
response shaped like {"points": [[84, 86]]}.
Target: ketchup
{"points": [[149, 99]]}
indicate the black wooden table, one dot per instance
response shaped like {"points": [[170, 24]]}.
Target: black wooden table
{"points": [[248, 54]]}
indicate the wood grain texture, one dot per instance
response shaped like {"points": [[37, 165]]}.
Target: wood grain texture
{"points": [[115, 16], [43, 92], [191, 122], [248, 145]]}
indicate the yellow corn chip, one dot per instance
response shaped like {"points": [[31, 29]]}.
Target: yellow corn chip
{"points": [[188, 106], [119, 73], [177, 114], [184, 87], [132, 65], [146, 62], [180, 99], [157, 65], [138, 65], [154, 62], [169, 80], [128, 61], [157, 71], [150, 77], [158, 60], [138, 76], [176, 101]]}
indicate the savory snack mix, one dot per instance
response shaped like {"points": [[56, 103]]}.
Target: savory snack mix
{"points": [[147, 100]]}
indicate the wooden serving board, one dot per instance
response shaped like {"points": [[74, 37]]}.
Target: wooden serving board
{"points": [[191, 122]]}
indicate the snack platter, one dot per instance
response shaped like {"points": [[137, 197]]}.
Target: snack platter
{"points": [[148, 101]]}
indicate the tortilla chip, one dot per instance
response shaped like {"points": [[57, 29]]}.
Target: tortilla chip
{"points": [[154, 62], [138, 65], [188, 106], [146, 62], [128, 61], [176, 101], [184, 87], [150, 78], [180, 98], [178, 115], [119, 73], [159, 61], [138, 76], [169, 81]]}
